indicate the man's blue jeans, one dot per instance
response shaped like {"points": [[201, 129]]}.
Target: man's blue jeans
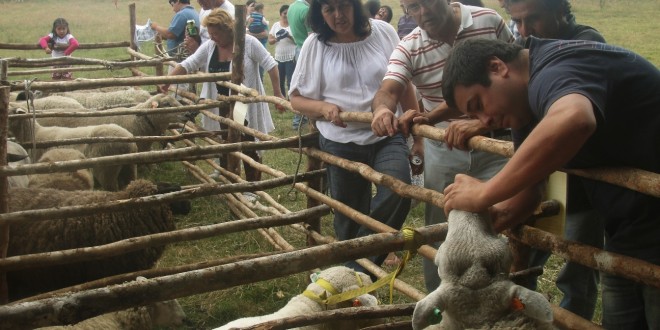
{"points": [[578, 283], [388, 156], [629, 305]]}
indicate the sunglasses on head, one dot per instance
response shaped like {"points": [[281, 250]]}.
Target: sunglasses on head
{"points": [[172, 2]]}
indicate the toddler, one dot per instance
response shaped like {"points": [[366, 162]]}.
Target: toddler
{"points": [[59, 42]]}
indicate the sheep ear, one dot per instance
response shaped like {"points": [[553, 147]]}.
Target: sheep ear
{"points": [[534, 304], [18, 111]]}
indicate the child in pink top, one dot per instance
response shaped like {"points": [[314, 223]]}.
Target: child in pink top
{"points": [[59, 42]]}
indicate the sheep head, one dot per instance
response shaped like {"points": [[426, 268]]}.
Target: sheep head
{"points": [[475, 291], [21, 128], [339, 279]]}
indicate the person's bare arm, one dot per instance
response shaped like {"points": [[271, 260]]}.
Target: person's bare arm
{"points": [[272, 39], [315, 109], [177, 71], [440, 113], [460, 131], [261, 35], [384, 123], [518, 208], [570, 121], [163, 31]]}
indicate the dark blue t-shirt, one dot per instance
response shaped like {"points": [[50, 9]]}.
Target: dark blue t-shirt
{"points": [[623, 87]]}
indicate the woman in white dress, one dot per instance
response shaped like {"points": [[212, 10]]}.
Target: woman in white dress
{"points": [[215, 56]]}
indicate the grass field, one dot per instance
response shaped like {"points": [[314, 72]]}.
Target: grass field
{"points": [[631, 26]]}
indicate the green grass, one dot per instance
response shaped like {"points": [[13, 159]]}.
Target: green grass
{"points": [[631, 26]]}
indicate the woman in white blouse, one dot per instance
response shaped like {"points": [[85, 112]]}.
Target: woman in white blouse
{"points": [[340, 68], [215, 56]]}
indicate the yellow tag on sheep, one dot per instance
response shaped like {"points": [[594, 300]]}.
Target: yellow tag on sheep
{"points": [[411, 244]]}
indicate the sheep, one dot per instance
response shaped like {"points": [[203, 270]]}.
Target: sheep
{"points": [[49, 102], [340, 278], [92, 100], [16, 155], [475, 291], [77, 180], [83, 231], [139, 125], [160, 314], [109, 177]]}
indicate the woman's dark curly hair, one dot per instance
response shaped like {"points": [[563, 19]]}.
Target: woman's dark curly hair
{"points": [[315, 20]]}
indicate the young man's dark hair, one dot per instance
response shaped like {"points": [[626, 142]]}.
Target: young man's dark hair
{"points": [[469, 68], [551, 5]]}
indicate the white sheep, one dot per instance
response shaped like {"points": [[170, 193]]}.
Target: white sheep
{"points": [[109, 177], [49, 102], [96, 100], [76, 180], [152, 124], [30, 237], [160, 314], [475, 291], [341, 279], [16, 155]]}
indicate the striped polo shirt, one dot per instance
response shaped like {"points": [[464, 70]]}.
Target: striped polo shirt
{"points": [[421, 59]]}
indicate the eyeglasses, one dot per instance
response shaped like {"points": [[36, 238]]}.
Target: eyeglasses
{"points": [[413, 9]]}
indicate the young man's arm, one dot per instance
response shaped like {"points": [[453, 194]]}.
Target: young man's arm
{"points": [[570, 121]]}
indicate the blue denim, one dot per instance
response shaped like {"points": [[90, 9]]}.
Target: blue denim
{"points": [[440, 168], [629, 305], [578, 283], [286, 72], [298, 120], [631, 229], [388, 156]]}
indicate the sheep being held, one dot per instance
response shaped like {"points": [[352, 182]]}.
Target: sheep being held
{"points": [[83, 231], [109, 177], [329, 282], [475, 291]]}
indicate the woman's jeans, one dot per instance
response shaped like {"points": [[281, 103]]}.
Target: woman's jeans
{"points": [[388, 156]]}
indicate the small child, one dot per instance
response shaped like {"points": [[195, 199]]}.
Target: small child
{"points": [[59, 42], [257, 22]]}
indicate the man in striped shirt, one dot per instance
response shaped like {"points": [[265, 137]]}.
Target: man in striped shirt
{"points": [[419, 60]]}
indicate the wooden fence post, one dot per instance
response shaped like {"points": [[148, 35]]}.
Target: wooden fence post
{"points": [[131, 12], [233, 163], [316, 184], [4, 197]]}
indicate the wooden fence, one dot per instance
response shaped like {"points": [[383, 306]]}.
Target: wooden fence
{"points": [[110, 295]]}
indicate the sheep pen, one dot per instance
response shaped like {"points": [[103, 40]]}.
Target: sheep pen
{"points": [[261, 297]]}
